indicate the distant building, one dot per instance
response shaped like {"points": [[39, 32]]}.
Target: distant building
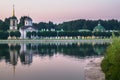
{"points": [[13, 24], [84, 29], [99, 28], [13, 21], [28, 27]]}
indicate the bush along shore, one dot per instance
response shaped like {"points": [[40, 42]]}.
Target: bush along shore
{"points": [[111, 62]]}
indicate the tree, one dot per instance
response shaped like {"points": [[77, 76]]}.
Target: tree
{"points": [[100, 34], [17, 34], [90, 24], [34, 33], [4, 35], [7, 23], [29, 34], [39, 34], [4, 25], [108, 34], [12, 34]]}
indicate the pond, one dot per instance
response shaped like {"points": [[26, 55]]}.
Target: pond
{"points": [[46, 61]]}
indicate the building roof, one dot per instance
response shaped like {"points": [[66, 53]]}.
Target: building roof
{"points": [[13, 17], [84, 30], [25, 27], [99, 28], [28, 18]]}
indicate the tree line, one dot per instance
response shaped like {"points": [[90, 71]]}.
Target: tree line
{"points": [[68, 34], [70, 28], [90, 24], [67, 26], [5, 34]]}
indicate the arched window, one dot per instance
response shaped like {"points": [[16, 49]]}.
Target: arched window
{"points": [[13, 22]]}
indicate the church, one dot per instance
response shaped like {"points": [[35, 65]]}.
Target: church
{"points": [[28, 25]]}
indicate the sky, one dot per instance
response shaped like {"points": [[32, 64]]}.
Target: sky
{"points": [[59, 11]]}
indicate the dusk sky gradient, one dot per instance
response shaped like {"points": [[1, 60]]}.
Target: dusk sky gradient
{"points": [[61, 10]]}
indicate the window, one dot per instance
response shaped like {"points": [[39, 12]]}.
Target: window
{"points": [[13, 22]]}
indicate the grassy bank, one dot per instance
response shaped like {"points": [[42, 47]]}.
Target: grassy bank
{"points": [[111, 62]]}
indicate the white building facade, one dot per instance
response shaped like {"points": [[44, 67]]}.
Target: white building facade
{"points": [[28, 27], [13, 21]]}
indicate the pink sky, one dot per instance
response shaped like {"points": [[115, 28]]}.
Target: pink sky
{"points": [[61, 10]]}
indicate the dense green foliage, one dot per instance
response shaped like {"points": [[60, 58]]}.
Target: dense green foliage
{"points": [[90, 24], [15, 34], [76, 34], [69, 26], [69, 29], [111, 63], [47, 34], [4, 35], [29, 34], [34, 34], [43, 25], [4, 25]]}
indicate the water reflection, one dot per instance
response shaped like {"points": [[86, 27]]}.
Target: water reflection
{"points": [[36, 56], [11, 52]]}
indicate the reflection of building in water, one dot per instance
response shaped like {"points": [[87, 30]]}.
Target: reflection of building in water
{"points": [[26, 58], [13, 49], [25, 55], [23, 48], [13, 57]]}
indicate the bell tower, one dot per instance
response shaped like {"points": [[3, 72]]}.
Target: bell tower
{"points": [[13, 21]]}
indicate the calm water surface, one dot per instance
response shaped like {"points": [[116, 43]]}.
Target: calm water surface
{"points": [[46, 61]]}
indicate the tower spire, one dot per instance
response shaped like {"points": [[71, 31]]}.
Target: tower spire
{"points": [[13, 10]]}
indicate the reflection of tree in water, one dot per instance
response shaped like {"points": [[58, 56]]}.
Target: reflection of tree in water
{"points": [[4, 52], [25, 52], [100, 48], [77, 51], [47, 50], [73, 50], [43, 50]]}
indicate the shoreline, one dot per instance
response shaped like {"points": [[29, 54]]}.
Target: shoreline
{"points": [[93, 69], [98, 41]]}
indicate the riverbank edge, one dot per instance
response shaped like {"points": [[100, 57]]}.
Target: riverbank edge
{"points": [[93, 70], [59, 41]]}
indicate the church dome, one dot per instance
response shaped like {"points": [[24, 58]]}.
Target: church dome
{"points": [[99, 28]]}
